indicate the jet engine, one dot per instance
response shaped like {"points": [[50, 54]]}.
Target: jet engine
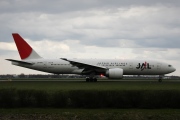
{"points": [[115, 73]]}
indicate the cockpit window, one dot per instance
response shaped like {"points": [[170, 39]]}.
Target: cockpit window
{"points": [[169, 65]]}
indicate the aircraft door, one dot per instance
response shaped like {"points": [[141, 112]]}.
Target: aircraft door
{"points": [[44, 64], [158, 66], [130, 65]]}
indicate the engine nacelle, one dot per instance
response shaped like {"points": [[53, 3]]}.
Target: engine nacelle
{"points": [[115, 73]]}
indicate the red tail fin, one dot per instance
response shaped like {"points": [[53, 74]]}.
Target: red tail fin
{"points": [[25, 50]]}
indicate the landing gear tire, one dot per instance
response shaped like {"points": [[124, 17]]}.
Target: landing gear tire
{"points": [[95, 79], [91, 79], [160, 80], [87, 80]]}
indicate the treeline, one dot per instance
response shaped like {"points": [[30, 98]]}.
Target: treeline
{"points": [[40, 76], [15, 98], [47, 76]]}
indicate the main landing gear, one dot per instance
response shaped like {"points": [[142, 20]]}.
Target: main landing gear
{"points": [[91, 79]]}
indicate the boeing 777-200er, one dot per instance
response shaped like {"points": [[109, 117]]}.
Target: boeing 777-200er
{"points": [[111, 68]]}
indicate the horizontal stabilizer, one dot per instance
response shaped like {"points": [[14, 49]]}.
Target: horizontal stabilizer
{"points": [[22, 62]]}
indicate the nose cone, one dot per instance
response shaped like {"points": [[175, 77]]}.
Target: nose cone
{"points": [[173, 69]]}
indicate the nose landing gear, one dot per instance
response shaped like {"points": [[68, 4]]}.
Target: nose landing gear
{"points": [[160, 78]]}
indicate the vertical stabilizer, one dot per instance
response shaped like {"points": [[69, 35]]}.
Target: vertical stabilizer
{"points": [[24, 49]]}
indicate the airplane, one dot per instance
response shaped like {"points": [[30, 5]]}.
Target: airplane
{"points": [[110, 68]]}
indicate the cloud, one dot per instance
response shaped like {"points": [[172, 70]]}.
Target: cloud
{"points": [[143, 26], [157, 53], [7, 46], [93, 29], [61, 6]]}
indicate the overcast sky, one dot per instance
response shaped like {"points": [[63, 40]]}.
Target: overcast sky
{"points": [[121, 29]]}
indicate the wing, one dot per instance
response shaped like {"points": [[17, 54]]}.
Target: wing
{"points": [[88, 68]]}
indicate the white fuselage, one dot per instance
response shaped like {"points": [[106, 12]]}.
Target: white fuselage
{"points": [[130, 67]]}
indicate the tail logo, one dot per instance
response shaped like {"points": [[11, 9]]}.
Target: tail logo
{"points": [[24, 49]]}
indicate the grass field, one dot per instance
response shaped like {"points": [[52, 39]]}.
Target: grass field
{"points": [[89, 114], [119, 87]]}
